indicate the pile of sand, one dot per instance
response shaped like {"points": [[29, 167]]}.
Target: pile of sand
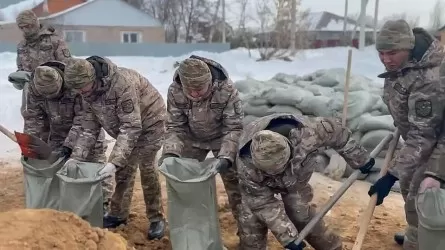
{"points": [[50, 229]]}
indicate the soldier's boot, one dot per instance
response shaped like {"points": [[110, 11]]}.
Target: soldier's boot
{"points": [[156, 230], [113, 221], [399, 238]]}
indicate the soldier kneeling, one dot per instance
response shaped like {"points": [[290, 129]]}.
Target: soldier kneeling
{"points": [[277, 157]]}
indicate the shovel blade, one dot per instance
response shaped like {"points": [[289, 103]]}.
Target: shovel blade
{"points": [[28, 146]]}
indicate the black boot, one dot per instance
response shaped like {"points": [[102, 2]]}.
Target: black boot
{"points": [[156, 230], [399, 238], [113, 222]]}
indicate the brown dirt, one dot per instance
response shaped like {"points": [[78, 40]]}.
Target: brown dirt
{"points": [[343, 218]]}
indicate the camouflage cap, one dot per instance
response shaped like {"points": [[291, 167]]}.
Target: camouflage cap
{"points": [[47, 81], [27, 17], [78, 73], [394, 35], [194, 73], [270, 151]]}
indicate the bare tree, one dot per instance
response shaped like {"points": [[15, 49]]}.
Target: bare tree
{"points": [[436, 16], [167, 12]]}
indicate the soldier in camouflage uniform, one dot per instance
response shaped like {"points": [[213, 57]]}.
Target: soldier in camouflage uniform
{"points": [[48, 102], [277, 156], [40, 45], [132, 111], [415, 97], [205, 114]]}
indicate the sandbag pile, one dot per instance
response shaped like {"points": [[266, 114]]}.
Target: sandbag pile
{"points": [[321, 94]]}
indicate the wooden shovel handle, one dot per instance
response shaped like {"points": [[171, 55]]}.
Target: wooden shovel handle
{"points": [[367, 215], [9, 134]]}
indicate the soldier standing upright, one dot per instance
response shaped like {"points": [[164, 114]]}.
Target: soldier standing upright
{"points": [[132, 111], [415, 97], [205, 114], [277, 156]]}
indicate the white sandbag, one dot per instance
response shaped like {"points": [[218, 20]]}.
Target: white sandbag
{"points": [[248, 85], [317, 106], [254, 100], [303, 83], [326, 81], [248, 119], [356, 83], [369, 122], [286, 78], [283, 109], [336, 167], [360, 102], [290, 96], [372, 138], [258, 111], [319, 90]]}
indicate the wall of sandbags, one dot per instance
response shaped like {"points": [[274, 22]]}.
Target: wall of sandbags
{"points": [[322, 94]]}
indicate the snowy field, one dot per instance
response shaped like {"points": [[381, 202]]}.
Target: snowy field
{"points": [[160, 71]]}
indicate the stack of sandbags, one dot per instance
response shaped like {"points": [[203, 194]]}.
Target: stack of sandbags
{"points": [[321, 94]]}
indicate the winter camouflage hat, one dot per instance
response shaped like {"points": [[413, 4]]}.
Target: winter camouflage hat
{"points": [[47, 81], [78, 73], [270, 151], [394, 35], [27, 17], [194, 73]]}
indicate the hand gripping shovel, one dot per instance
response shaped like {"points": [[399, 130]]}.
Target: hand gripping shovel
{"points": [[31, 146], [353, 177]]}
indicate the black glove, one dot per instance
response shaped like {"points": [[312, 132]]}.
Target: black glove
{"points": [[165, 156], [293, 246], [65, 152], [382, 187], [223, 165], [366, 169]]}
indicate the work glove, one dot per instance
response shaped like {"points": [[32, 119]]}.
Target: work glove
{"points": [[65, 152], [223, 165], [382, 187], [108, 170], [164, 156], [366, 169], [293, 246]]}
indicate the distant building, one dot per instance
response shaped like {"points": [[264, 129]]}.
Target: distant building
{"points": [[96, 21]]}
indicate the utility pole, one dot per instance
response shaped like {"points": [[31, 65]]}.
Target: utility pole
{"points": [[376, 19], [223, 21], [361, 45]]}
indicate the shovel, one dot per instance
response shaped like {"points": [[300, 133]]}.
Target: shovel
{"points": [[354, 176], [31, 146]]}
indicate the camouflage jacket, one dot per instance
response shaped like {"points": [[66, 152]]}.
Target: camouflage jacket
{"points": [[125, 104], [60, 116], [48, 47], [415, 96], [214, 123], [310, 134]]}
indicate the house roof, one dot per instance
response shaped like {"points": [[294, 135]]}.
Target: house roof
{"points": [[327, 21], [60, 13]]}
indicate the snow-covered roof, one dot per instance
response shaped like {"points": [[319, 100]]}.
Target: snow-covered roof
{"points": [[327, 21], [10, 12]]}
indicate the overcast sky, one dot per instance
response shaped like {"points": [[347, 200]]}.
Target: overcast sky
{"points": [[420, 8]]}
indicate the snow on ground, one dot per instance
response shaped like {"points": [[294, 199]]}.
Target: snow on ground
{"points": [[160, 71]]}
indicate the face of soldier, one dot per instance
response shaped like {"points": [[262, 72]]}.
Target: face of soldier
{"points": [[394, 59], [29, 30], [198, 93], [87, 90]]}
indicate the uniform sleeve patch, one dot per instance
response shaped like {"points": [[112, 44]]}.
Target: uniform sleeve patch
{"points": [[238, 107], [66, 52], [424, 108], [127, 106], [327, 126]]}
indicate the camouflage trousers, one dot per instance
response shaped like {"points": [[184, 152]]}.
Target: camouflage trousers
{"points": [[230, 179], [300, 211], [142, 157], [409, 186]]}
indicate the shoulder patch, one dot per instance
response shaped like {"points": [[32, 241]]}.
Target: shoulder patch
{"points": [[127, 106], [327, 126], [424, 108], [66, 53], [238, 107]]}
